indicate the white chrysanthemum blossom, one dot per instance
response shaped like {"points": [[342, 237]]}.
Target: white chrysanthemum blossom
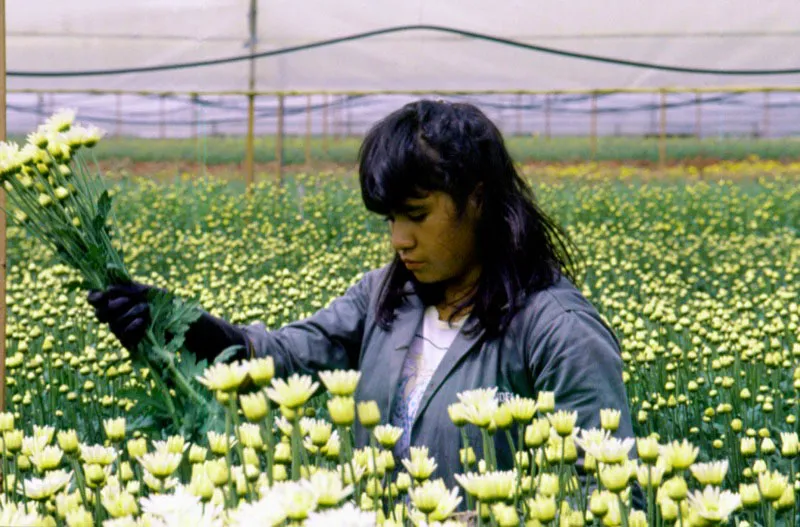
{"points": [[594, 436], [477, 396], [160, 463], [34, 444], [329, 487], [40, 489], [420, 466], [347, 516], [488, 487], [340, 382], [98, 454], [175, 444], [434, 500], [269, 510], [14, 515], [713, 505], [60, 121], [48, 458], [679, 455], [712, 473], [223, 377], [480, 405], [293, 392], [612, 450]]}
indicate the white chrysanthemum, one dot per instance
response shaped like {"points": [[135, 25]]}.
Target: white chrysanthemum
{"points": [[43, 488], [340, 382], [490, 486], [712, 473], [98, 454], [293, 392], [478, 396], [592, 437], [17, 515], [347, 516], [329, 487], [269, 510], [714, 505], [612, 449], [48, 458], [34, 444], [433, 499], [60, 121], [180, 504], [223, 377]]}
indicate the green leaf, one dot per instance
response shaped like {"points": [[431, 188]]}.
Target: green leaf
{"points": [[227, 353], [104, 205]]}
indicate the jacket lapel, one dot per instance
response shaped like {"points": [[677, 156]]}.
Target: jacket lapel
{"points": [[404, 327], [461, 345]]}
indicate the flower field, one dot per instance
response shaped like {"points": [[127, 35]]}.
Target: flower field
{"points": [[700, 280]]}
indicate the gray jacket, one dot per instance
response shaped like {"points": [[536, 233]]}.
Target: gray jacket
{"points": [[557, 342]]}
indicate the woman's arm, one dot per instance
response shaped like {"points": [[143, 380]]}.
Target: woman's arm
{"points": [[329, 339]]}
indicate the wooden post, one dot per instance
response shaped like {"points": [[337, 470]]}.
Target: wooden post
{"points": [[765, 130], [308, 130], [593, 127], [698, 115], [3, 262], [662, 138], [249, 165], [279, 140], [325, 124], [547, 116]]}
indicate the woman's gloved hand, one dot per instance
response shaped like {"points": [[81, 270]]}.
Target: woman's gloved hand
{"points": [[125, 309]]}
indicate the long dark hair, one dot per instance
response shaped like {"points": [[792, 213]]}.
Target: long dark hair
{"points": [[454, 148]]}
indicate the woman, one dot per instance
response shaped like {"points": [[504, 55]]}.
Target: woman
{"points": [[480, 292]]}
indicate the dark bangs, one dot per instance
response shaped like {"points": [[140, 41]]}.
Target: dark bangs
{"points": [[400, 159]]}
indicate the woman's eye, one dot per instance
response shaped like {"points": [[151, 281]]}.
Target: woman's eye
{"points": [[416, 217]]}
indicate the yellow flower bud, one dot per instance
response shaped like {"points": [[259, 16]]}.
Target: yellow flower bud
{"points": [[342, 410], [369, 415]]}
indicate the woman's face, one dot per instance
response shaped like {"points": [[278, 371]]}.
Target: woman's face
{"points": [[434, 242]]}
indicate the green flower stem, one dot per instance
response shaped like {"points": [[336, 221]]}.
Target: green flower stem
{"points": [[297, 444], [623, 512], [5, 471], [266, 433], [465, 442], [177, 376], [163, 388], [488, 450], [650, 496], [98, 510], [561, 475], [517, 466], [235, 414], [229, 460]]}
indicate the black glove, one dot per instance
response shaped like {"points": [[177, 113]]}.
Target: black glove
{"points": [[125, 309]]}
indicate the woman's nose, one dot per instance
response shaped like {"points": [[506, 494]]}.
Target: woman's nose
{"points": [[402, 238]]}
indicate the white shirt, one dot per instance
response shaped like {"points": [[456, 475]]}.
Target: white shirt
{"points": [[426, 352]]}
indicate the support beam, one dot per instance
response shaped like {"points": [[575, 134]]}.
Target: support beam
{"points": [[3, 262], [593, 127], [662, 137], [249, 164], [279, 140], [308, 131]]}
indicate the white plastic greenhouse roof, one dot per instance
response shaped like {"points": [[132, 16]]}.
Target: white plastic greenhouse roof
{"points": [[86, 35]]}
